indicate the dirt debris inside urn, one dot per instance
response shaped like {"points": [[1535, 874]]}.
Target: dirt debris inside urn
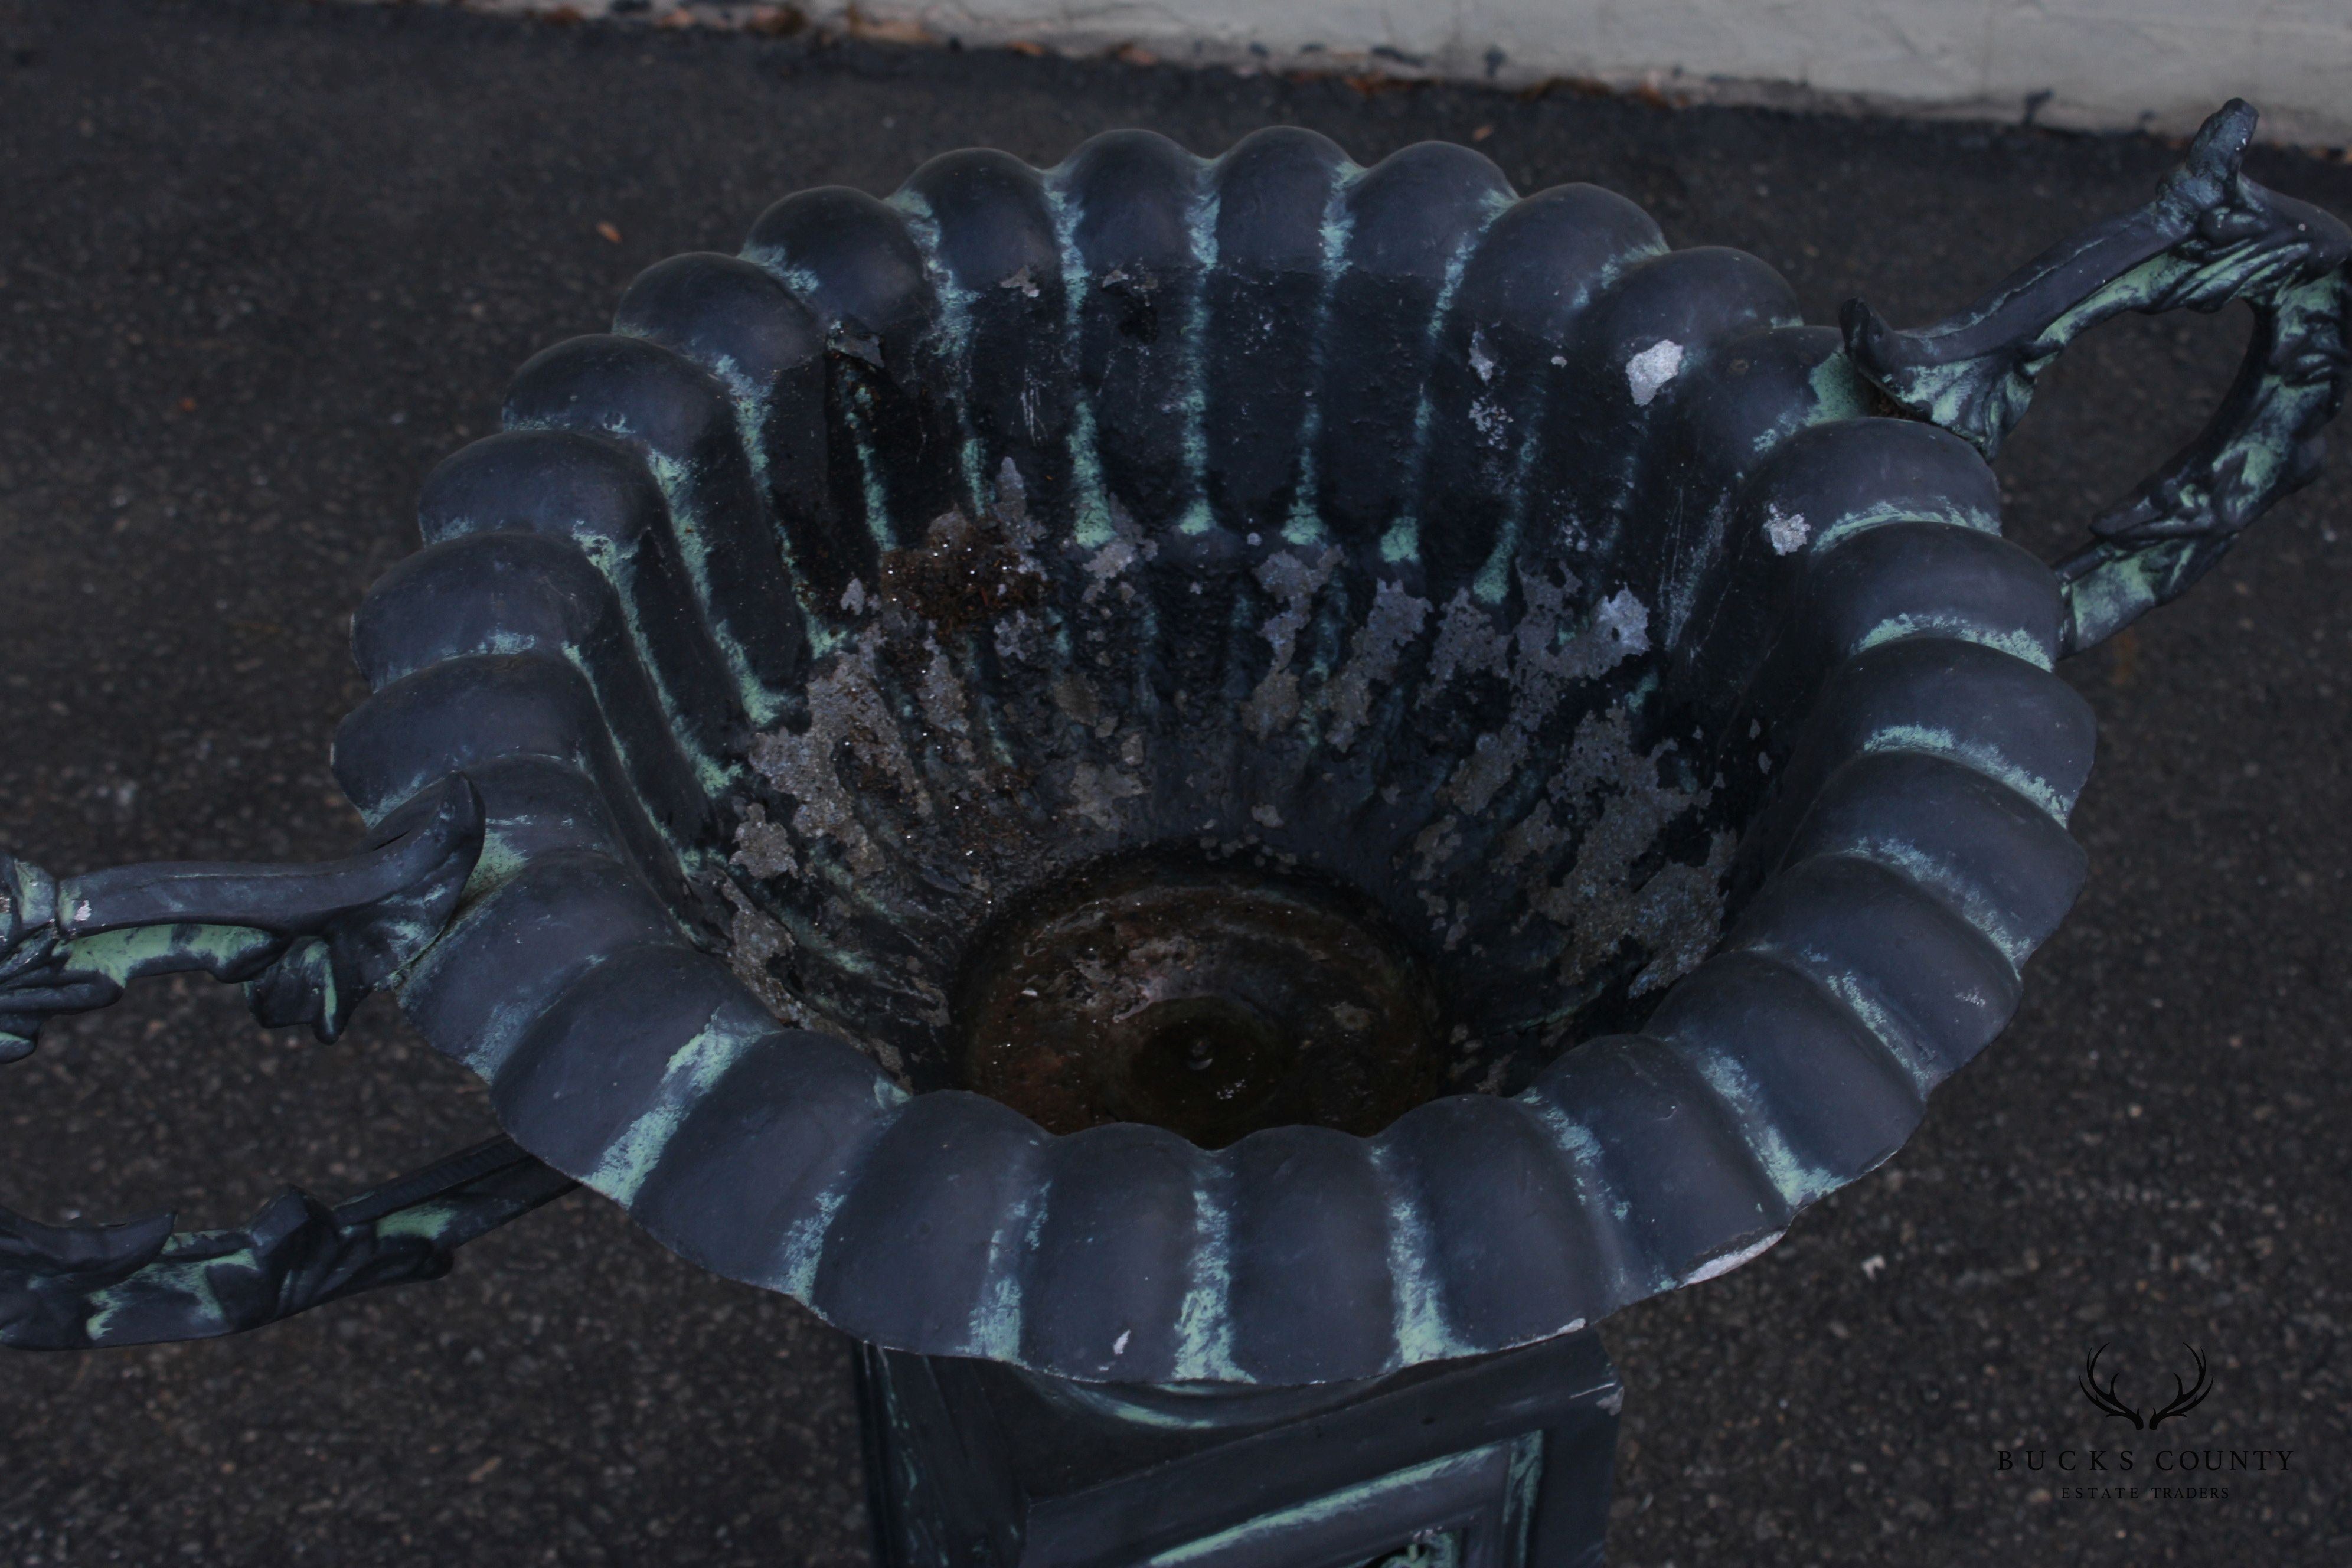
{"points": [[991, 720], [270, 197]]}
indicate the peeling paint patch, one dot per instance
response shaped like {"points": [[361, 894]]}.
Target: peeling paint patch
{"points": [[1097, 792], [1651, 369], [1669, 916], [1395, 619], [849, 719], [1785, 533], [763, 847], [1469, 640], [1292, 580], [1480, 360]]}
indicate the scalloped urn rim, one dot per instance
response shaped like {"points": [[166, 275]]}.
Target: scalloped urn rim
{"points": [[1823, 677]]}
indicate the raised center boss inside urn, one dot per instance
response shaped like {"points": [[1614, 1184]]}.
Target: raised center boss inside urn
{"points": [[1211, 1001]]}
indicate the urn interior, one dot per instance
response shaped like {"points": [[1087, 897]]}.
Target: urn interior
{"points": [[1353, 643]]}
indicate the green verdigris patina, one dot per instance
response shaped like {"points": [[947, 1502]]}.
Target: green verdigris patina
{"points": [[308, 942], [2210, 235], [1207, 777]]}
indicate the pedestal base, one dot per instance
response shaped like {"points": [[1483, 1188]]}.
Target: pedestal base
{"points": [[1500, 1462]]}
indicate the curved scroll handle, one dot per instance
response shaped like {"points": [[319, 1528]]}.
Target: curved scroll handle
{"points": [[2209, 237], [81, 1287], [308, 942]]}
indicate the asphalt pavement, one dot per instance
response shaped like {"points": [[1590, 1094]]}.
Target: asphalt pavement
{"points": [[261, 264]]}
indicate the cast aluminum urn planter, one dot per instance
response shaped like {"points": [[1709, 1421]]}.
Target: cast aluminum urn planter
{"points": [[1170, 774]]}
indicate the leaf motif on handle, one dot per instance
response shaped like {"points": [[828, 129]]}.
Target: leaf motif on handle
{"points": [[2209, 236], [75, 1287], [307, 941]]}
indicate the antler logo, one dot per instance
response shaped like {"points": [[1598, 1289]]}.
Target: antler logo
{"points": [[2186, 1397]]}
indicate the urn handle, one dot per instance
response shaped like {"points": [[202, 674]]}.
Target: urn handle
{"points": [[308, 942], [2209, 235]]}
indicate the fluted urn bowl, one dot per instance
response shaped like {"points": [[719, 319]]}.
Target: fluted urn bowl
{"points": [[1250, 771]]}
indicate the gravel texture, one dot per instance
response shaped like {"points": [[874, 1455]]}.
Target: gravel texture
{"points": [[261, 264]]}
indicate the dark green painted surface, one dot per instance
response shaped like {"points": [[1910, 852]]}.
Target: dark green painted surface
{"points": [[631, 1396]]}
